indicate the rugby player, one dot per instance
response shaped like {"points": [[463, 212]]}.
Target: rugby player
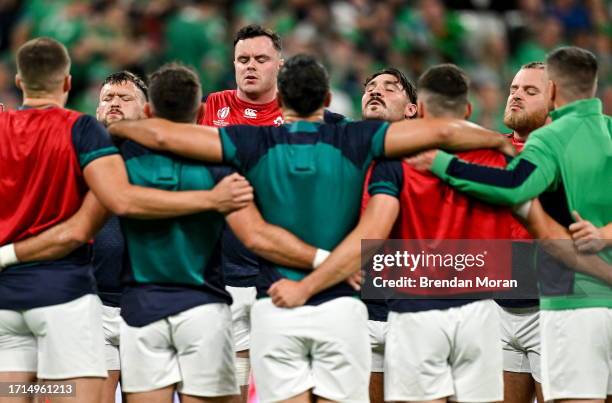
{"points": [[299, 171], [572, 156], [526, 110], [390, 96], [123, 96]]}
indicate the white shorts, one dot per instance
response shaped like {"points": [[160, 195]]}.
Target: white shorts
{"points": [[63, 341], [323, 347], [576, 353], [378, 333], [453, 353], [520, 335], [192, 349], [244, 298], [111, 320]]}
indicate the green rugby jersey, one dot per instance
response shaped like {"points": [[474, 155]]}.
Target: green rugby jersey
{"points": [[172, 264], [574, 154], [308, 179]]}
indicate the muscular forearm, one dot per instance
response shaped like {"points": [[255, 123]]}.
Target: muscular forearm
{"points": [[376, 223], [189, 140], [58, 241], [270, 241], [557, 241], [408, 137], [147, 203]]}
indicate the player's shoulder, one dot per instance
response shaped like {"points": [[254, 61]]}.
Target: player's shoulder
{"points": [[215, 98]]}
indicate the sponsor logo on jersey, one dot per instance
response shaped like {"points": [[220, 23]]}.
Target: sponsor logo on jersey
{"points": [[250, 113], [278, 121], [223, 112]]}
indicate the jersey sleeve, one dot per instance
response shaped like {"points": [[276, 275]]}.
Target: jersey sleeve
{"points": [[387, 178], [363, 141], [91, 140], [242, 145], [525, 177]]}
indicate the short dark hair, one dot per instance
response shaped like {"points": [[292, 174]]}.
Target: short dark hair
{"points": [[175, 93], [406, 84], [574, 70], [445, 87], [42, 64], [254, 30], [303, 84], [534, 65], [125, 76]]}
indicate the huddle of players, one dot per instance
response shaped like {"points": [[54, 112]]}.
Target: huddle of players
{"points": [[318, 348]]}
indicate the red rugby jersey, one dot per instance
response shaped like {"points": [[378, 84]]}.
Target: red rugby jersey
{"points": [[432, 210], [224, 108], [42, 152]]}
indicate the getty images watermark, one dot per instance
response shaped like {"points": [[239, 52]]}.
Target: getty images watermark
{"points": [[489, 268]]}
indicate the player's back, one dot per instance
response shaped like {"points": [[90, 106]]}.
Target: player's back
{"points": [[42, 183], [173, 263], [430, 209], [42, 156], [307, 175], [433, 210]]}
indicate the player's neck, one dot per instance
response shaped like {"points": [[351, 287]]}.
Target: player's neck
{"points": [[290, 116], [520, 137], [43, 101], [258, 99]]}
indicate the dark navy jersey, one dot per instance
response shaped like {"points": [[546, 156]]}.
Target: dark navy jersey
{"points": [[42, 155], [174, 253], [108, 249], [307, 178]]}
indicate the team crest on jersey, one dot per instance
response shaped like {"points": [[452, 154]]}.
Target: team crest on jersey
{"points": [[223, 112], [250, 113], [278, 121]]}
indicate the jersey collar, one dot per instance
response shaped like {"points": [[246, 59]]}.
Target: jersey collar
{"points": [[591, 106]]}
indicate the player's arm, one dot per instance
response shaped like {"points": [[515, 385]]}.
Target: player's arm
{"points": [[411, 136], [107, 178], [61, 239], [270, 241], [528, 175], [557, 241], [376, 222], [188, 140]]}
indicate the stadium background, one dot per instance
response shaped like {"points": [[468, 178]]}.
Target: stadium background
{"points": [[490, 39]]}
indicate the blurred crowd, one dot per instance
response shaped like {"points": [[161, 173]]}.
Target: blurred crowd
{"points": [[489, 39]]}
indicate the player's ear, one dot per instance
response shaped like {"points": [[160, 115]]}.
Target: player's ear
{"points": [[67, 83], [281, 62], [148, 110], [410, 112], [328, 98], [18, 82], [552, 92], [468, 110]]}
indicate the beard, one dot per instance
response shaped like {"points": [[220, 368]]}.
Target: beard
{"points": [[524, 122]]}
